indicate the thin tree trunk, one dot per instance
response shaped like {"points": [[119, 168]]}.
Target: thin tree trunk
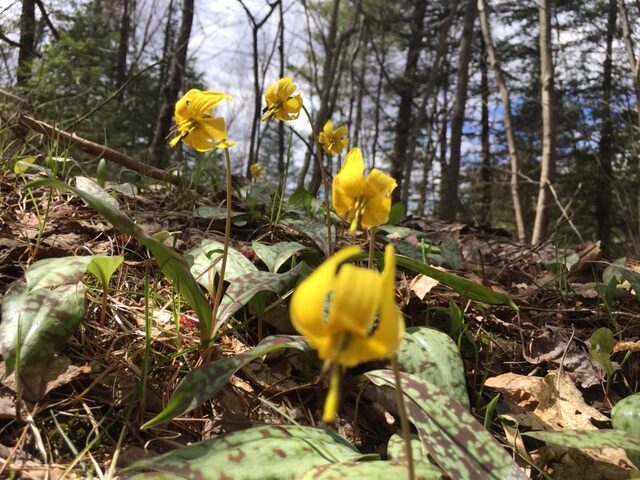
{"points": [[26, 52], [605, 147], [173, 85], [123, 46], [282, 65], [449, 202], [485, 168], [407, 88], [514, 160], [548, 124]]}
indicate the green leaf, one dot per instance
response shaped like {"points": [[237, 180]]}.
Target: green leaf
{"points": [[245, 287], [601, 348], [464, 287], [396, 449], [53, 272], [370, 470], [36, 323], [103, 267], [174, 267], [274, 256], [589, 439], [396, 213], [88, 186], [451, 435], [202, 257], [625, 417], [211, 212], [315, 230], [432, 355], [203, 382], [266, 451]]}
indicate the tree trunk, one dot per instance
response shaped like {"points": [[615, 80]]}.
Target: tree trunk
{"points": [[605, 146], [548, 125], [514, 160], [26, 51], [407, 87], [282, 65], [123, 46], [173, 85], [451, 172], [485, 137]]}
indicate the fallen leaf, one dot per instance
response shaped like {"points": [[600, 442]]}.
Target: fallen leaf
{"points": [[625, 346], [421, 285]]}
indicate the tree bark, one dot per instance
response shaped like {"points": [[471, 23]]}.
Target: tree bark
{"points": [[547, 165], [173, 85], [123, 45], [26, 51], [407, 86], [485, 137], [514, 160], [281, 163], [449, 202], [603, 195]]}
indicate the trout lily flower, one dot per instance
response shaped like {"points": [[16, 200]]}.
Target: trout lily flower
{"points": [[349, 315], [196, 124], [333, 141], [256, 170], [282, 104], [359, 200]]}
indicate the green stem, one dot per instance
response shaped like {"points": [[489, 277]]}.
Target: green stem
{"points": [[404, 420], [225, 248], [372, 245], [325, 181]]}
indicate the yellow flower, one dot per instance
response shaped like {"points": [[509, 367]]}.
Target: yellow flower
{"points": [[256, 170], [348, 314], [196, 124], [281, 102], [359, 200], [333, 141]]}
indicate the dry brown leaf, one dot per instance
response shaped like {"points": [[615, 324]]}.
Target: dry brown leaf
{"points": [[421, 285], [627, 347]]}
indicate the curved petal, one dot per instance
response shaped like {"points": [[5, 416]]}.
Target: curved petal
{"points": [[376, 211], [285, 88], [199, 140], [343, 203], [351, 174], [292, 106], [213, 127], [378, 183], [323, 138], [328, 128], [183, 110], [355, 300], [341, 131], [308, 301]]}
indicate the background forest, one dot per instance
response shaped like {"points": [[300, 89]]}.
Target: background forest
{"points": [[446, 98]]}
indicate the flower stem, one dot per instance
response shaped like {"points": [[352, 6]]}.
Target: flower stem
{"points": [[225, 248], [372, 245], [404, 420], [325, 181]]}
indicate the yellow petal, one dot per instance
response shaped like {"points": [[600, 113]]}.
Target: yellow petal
{"points": [[308, 302], [285, 88], [355, 300], [378, 183], [199, 140], [375, 211], [351, 175], [341, 131], [328, 128], [343, 203], [331, 402], [213, 127], [204, 102]]}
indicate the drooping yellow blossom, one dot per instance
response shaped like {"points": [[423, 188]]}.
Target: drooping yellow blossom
{"points": [[196, 124], [256, 170], [333, 141], [282, 104], [348, 314], [359, 200]]}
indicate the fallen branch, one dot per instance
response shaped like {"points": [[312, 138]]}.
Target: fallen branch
{"points": [[97, 149]]}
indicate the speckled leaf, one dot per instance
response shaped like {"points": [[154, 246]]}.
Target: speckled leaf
{"points": [[275, 255], [203, 256], [451, 435], [466, 288], [172, 265], [315, 230], [244, 287], [589, 439], [396, 450], [203, 382], [262, 452], [36, 323], [87, 185], [371, 470], [213, 213], [432, 355], [625, 416], [52, 272]]}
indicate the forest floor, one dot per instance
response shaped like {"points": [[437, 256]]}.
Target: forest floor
{"points": [[116, 372]]}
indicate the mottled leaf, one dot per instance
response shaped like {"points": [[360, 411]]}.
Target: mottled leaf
{"points": [[202, 257], [589, 439], [245, 287], [451, 435], [396, 449], [203, 382], [432, 355], [171, 263], [36, 323], [315, 230], [213, 212], [52, 272], [466, 288], [371, 470], [88, 186], [625, 417], [267, 451], [275, 255]]}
